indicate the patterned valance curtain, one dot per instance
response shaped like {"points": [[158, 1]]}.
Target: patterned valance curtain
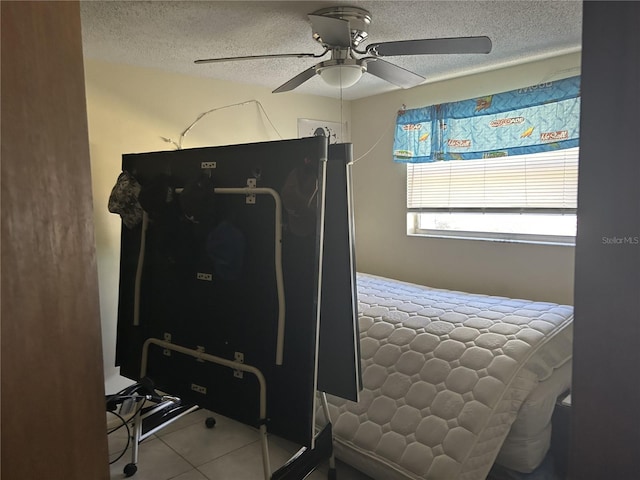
{"points": [[534, 119]]}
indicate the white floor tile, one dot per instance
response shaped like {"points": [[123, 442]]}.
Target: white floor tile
{"points": [[246, 462], [192, 475], [156, 461], [229, 451], [198, 444], [198, 416]]}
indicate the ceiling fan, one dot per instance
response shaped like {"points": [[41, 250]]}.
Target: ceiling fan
{"points": [[340, 30]]}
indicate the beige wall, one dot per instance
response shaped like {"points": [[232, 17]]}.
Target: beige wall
{"points": [[130, 108], [539, 272]]}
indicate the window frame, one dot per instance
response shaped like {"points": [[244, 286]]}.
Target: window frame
{"points": [[414, 229]]}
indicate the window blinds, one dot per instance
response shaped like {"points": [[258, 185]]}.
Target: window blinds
{"points": [[546, 180]]}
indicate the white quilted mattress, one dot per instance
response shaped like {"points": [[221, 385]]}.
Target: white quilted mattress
{"points": [[529, 439], [444, 375]]}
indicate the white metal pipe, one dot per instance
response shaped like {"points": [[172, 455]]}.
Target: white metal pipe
{"points": [[136, 290], [227, 363], [327, 416], [137, 433], [211, 358], [278, 255]]}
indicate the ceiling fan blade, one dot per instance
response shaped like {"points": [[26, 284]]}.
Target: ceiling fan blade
{"points": [[392, 73], [332, 31], [296, 81], [431, 46], [256, 57]]}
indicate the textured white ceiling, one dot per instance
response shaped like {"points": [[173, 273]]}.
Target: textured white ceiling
{"points": [[171, 35]]}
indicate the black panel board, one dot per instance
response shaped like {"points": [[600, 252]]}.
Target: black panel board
{"points": [[229, 315], [339, 350]]}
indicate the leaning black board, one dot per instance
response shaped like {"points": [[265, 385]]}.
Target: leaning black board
{"points": [[339, 343], [184, 296]]}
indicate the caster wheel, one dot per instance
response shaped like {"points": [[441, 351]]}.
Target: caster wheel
{"points": [[210, 422], [333, 474], [130, 469]]}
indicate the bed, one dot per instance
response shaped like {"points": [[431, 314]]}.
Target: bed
{"points": [[452, 382]]}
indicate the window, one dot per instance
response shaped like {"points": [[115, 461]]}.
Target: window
{"points": [[502, 166], [525, 197]]}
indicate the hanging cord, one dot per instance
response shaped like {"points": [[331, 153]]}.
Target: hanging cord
{"points": [[384, 134], [342, 132], [202, 115], [125, 422]]}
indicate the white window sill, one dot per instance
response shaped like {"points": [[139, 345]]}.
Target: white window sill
{"points": [[479, 236]]}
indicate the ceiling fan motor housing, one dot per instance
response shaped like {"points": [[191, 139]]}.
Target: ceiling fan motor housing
{"points": [[359, 20]]}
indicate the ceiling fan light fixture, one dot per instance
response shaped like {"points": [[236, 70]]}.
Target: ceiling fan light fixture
{"points": [[340, 74]]}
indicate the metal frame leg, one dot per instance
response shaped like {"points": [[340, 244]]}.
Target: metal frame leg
{"points": [[332, 458], [266, 465]]}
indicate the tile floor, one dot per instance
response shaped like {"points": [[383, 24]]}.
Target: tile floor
{"points": [[188, 450]]}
